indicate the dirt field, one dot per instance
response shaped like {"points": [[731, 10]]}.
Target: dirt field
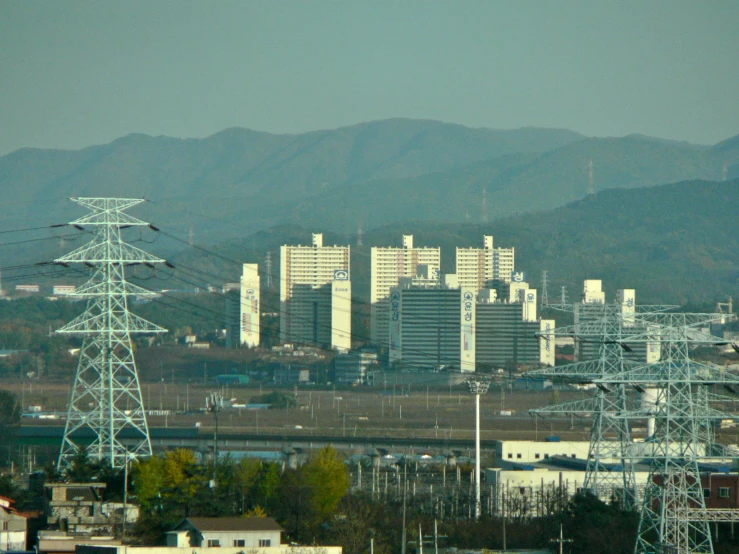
{"points": [[353, 412]]}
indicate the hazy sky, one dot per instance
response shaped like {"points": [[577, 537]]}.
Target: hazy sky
{"points": [[77, 73]]}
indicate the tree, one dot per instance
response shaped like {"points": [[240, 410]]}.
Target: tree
{"points": [[327, 477], [10, 417], [245, 479], [148, 480], [10, 409]]}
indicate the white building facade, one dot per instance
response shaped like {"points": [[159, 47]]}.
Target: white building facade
{"points": [[249, 306], [477, 267]]}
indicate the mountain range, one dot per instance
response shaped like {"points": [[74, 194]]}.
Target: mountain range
{"points": [[239, 181]]}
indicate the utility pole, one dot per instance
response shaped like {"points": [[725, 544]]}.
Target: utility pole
{"points": [[125, 500], [561, 540], [403, 545], [214, 404]]}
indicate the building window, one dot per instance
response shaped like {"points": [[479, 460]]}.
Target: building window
{"points": [[239, 542], [510, 456], [4, 525], [573, 456], [536, 456], [546, 456], [263, 543], [214, 543], [723, 492], [518, 456], [706, 493]]}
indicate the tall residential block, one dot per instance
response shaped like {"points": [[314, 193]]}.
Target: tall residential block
{"points": [[478, 267], [315, 294], [432, 328], [243, 310], [389, 265], [506, 333]]}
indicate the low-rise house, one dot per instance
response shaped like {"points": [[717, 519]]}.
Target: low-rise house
{"points": [[246, 532], [13, 526]]}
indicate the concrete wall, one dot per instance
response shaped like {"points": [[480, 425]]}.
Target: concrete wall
{"points": [[538, 451], [285, 549]]}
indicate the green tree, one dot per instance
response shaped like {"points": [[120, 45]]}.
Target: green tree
{"points": [[10, 409], [148, 480], [327, 477], [267, 481], [245, 479]]}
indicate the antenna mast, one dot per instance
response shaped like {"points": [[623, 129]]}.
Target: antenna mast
{"points": [[484, 204], [591, 178], [268, 265], [106, 397]]}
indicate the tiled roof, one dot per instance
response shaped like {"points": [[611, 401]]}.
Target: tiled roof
{"points": [[234, 524]]}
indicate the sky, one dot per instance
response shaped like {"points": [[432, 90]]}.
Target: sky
{"points": [[76, 73]]}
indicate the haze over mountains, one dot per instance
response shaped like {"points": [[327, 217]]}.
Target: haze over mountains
{"points": [[245, 193], [379, 173], [676, 244]]}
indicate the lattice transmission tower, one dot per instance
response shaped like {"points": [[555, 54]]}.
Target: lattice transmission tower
{"points": [[106, 397], [607, 327], [676, 403]]}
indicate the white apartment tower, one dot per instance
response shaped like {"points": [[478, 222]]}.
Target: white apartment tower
{"points": [[315, 294], [243, 310], [389, 265], [477, 267], [249, 308]]}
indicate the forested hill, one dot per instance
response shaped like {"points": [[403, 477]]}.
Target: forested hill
{"points": [[239, 181], [676, 243], [255, 178]]}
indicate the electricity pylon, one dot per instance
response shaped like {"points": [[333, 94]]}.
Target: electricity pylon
{"points": [[106, 397], [606, 328], [674, 517]]}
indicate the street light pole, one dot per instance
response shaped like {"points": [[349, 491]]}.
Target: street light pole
{"points": [[477, 388]]}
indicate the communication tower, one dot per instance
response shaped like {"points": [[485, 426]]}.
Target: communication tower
{"points": [[268, 266], [591, 178], [544, 286], [484, 204], [106, 396]]}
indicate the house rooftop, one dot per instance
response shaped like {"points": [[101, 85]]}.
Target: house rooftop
{"points": [[233, 524]]}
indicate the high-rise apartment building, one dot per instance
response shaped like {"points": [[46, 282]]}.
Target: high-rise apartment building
{"points": [[506, 333], [432, 328], [389, 265], [315, 294], [243, 310], [478, 267]]}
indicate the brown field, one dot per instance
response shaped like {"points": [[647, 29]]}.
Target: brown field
{"points": [[360, 412]]}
